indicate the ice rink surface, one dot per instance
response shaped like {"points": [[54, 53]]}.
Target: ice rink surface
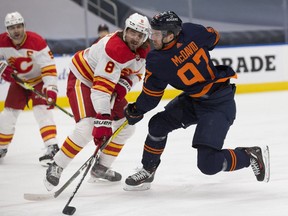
{"points": [[179, 187]]}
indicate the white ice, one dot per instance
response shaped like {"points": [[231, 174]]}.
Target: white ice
{"points": [[179, 187]]}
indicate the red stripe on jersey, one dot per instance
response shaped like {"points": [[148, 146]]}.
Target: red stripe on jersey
{"points": [[34, 81], [104, 85], [49, 71], [82, 66]]}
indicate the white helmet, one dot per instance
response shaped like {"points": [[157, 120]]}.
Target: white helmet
{"points": [[13, 19], [138, 23]]}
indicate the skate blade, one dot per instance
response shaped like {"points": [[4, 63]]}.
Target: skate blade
{"points": [[94, 180], [266, 155], [141, 187], [48, 185], [46, 163]]}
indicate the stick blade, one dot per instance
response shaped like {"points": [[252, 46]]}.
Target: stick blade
{"points": [[38, 197], [69, 210]]}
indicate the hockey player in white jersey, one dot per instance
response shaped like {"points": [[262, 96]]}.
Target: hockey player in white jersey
{"points": [[111, 66], [28, 55]]}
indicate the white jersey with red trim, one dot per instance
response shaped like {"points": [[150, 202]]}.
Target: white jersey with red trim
{"points": [[102, 65], [32, 59]]}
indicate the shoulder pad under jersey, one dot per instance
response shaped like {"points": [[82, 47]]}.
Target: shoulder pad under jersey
{"points": [[118, 50], [34, 41]]}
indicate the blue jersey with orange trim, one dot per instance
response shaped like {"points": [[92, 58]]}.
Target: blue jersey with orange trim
{"points": [[185, 65]]}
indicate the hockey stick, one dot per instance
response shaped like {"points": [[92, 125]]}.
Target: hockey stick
{"points": [[31, 88], [69, 210], [40, 197]]}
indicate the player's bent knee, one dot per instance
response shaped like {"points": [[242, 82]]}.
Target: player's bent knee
{"points": [[43, 116], [208, 162], [158, 126], [8, 118], [83, 129], [125, 134], [206, 169]]}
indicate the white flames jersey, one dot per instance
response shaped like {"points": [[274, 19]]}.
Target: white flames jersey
{"points": [[32, 59], [102, 65]]}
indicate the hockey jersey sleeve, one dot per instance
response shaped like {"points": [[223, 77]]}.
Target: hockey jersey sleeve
{"points": [[203, 36], [47, 63], [135, 78], [153, 89], [213, 37]]}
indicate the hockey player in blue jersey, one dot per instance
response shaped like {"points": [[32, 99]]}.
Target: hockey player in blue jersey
{"points": [[181, 59]]}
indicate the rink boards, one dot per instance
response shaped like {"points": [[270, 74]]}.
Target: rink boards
{"points": [[259, 68]]}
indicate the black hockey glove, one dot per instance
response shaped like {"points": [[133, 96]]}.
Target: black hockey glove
{"points": [[132, 114]]}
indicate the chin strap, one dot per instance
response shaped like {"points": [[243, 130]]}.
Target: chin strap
{"points": [[168, 43]]}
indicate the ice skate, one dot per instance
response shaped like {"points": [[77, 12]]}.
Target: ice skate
{"points": [[47, 158], [260, 162], [3, 152], [53, 175], [101, 173], [139, 181]]}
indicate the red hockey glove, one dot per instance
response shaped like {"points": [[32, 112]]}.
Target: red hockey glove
{"points": [[6, 71], [51, 95], [102, 130], [132, 114], [122, 88]]}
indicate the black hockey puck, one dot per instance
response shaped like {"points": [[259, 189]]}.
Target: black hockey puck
{"points": [[69, 210]]}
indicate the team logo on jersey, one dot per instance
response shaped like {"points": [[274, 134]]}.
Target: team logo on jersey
{"points": [[21, 64], [137, 57], [128, 71]]}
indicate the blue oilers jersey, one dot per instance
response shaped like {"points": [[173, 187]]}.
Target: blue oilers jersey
{"points": [[185, 65]]}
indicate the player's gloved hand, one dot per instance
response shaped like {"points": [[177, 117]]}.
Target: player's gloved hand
{"points": [[122, 88], [6, 71], [102, 130], [51, 95], [132, 114]]}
